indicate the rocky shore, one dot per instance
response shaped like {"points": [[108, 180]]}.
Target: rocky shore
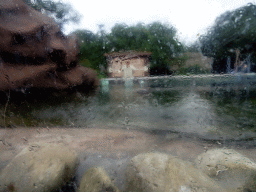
{"points": [[43, 159]]}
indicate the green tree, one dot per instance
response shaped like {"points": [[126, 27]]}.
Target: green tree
{"points": [[164, 47], [123, 37], [61, 12], [194, 47], [92, 49], [233, 30]]}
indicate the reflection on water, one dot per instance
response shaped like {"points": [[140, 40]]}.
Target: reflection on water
{"points": [[207, 107], [240, 111]]}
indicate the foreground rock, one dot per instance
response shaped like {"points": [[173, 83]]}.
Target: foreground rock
{"points": [[39, 167], [96, 180], [156, 172], [233, 170], [34, 53]]}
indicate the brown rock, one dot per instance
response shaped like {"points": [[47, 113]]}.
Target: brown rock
{"points": [[157, 172], [35, 53], [96, 180], [39, 167], [233, 170]]}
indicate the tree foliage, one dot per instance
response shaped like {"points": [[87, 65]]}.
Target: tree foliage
{"points": [[156, 37], [92, 49], [233, 30], [61, 12], [194, 47]]}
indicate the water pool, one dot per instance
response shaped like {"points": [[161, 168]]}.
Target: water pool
{"points": [[212, 107]]}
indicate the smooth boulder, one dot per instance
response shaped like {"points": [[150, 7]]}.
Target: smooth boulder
{"points": [[233, 170], [157, 172], [96, 180], [39, 167]]}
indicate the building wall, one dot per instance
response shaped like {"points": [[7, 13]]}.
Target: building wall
{"points": [[127, 68]]}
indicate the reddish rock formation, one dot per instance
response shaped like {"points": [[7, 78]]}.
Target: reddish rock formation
{"points": [[35, 53]]}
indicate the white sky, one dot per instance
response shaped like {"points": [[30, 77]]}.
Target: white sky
{"points": [[189, 17]]}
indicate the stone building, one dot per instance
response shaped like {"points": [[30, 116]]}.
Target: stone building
{"points": [[128, 64]]}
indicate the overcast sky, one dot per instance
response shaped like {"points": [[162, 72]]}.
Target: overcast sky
{"points": [[191, 18]]}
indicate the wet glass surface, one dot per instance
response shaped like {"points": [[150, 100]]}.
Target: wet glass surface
{"points": [[184, 114]]}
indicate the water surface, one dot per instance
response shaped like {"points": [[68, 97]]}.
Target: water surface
{"points": [[211, 107]]}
